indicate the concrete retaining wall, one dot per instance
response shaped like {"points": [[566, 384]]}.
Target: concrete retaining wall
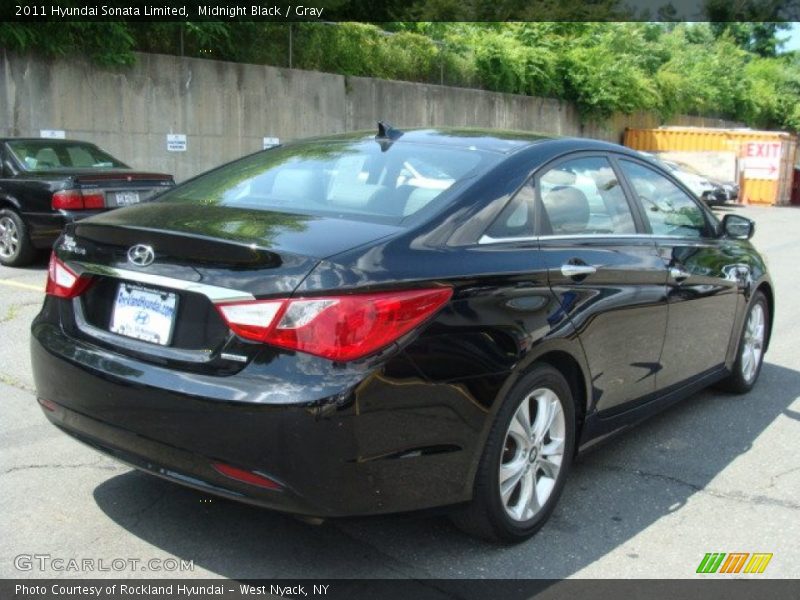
{"points": [[225, 109]]}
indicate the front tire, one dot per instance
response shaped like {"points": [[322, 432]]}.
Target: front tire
{"points": [[752, 343], [526, 460], [16, 249]]}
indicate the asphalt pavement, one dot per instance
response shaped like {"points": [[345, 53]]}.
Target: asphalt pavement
{"points": [[715, 473]]}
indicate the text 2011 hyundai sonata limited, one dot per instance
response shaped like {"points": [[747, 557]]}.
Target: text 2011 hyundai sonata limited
{"points": [[369, 323]]}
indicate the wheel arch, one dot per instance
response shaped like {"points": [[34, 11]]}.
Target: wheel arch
{"points": [[564, 355], [571, 369], [9, 202]]}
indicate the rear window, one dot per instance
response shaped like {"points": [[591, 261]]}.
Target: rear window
{"points": [[45, 155], [377, 181]]}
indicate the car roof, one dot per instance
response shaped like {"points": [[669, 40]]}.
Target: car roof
{"points": [[489, 140]]}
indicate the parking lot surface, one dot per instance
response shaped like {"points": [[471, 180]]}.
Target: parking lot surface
{"points": [[716, 473]]}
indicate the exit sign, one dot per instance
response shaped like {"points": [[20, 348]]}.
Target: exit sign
{"points": [[762, 160]]}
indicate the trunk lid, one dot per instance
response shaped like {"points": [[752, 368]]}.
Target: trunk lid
{"points": [[122, 187], [224, 243], [201, 255]]}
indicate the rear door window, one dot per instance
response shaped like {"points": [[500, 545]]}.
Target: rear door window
{"points": [[582, 196]]}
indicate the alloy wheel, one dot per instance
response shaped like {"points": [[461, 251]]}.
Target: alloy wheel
{"points": [[9, 237], [533, 452], [753, 346]]}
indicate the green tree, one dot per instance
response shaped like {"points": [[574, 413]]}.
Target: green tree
{"points": [[762, 39]]}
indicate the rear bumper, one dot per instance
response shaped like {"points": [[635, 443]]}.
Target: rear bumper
{"points": [[165, 461], [374, 447]]}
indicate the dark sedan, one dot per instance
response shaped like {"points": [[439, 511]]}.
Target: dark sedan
{"points": [[367, 324], [47, 183]]}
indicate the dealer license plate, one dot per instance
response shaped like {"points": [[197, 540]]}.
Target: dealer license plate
{"points": [[144, 314], [126, 198]]}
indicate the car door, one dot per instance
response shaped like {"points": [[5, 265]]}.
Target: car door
{"points": [[607, 275], [702, 287]]}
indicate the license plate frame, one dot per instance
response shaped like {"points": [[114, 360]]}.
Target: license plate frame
{"points": [[144, 314]]}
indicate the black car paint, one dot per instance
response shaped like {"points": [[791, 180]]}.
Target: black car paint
{"points": [[30, 193], [716, 197], [402, 429]]}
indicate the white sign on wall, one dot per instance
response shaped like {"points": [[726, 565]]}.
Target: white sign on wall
{"points": [[53, 134], [762, 160], [270, 142], [176, 142]]}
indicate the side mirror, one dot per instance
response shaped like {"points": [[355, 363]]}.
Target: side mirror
{"points": [[738, 227]]}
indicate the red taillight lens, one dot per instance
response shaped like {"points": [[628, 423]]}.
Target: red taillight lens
{"points": [[93, 200], [67, 200], [339, 328], [251, 320], [62, 281], [78, 200]]}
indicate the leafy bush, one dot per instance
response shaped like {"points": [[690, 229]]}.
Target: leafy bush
{"points": [[106, 44], [728, 70]]}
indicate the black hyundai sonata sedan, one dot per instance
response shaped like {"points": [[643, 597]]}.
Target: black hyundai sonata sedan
{"points": [[367, 324]]}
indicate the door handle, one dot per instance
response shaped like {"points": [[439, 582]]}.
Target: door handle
{"points": [[678, 274], [568, 270]]}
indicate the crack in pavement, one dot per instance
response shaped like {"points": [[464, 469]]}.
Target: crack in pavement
{"points": [[773, 481], [13, 310], [62, 466], [10, 381], [735, 496]]}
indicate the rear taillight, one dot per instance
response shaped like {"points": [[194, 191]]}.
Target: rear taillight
{"points": [[93, 200], [339, 328], [78, 200], [67, 200], [62, 281]]}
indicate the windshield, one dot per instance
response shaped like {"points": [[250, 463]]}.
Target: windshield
{"points": [[45, 155], [378, 181]]}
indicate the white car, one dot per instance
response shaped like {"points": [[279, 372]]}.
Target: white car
{"points": [[698, 183]]}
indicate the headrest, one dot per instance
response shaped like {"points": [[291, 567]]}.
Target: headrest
{"points": [[567, 209], [47, 157]]}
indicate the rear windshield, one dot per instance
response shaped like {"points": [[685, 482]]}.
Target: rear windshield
{"points": [[45, 155], [385, 182]]}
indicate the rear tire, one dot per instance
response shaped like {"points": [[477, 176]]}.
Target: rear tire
{"points": [[16, 249], [752, 343], [522, 471]]}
